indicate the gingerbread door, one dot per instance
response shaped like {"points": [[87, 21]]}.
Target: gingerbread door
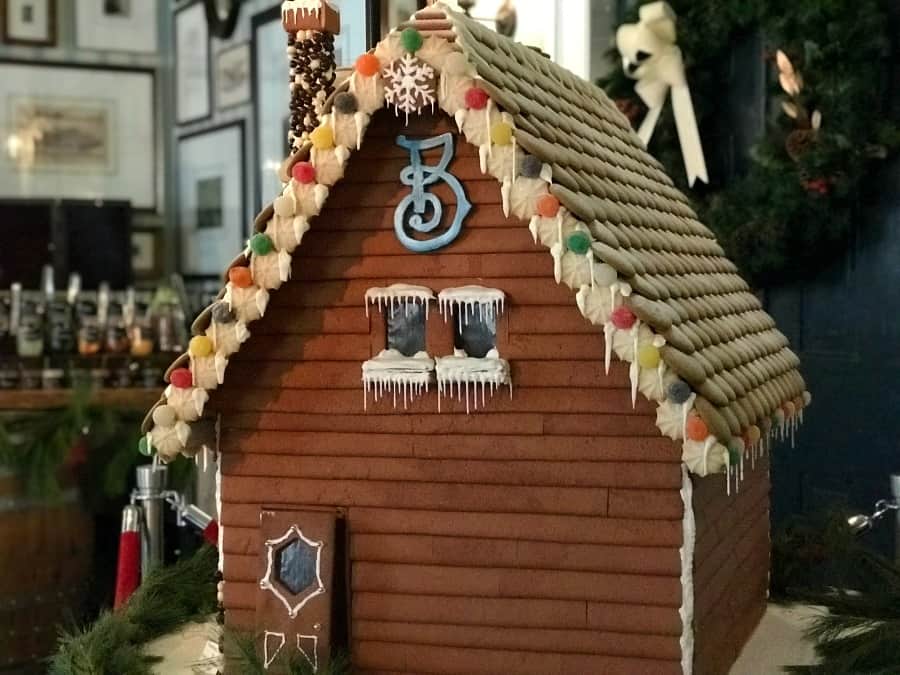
{"points": [[295, 606]]}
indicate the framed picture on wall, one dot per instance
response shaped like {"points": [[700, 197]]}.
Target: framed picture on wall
{"points": [[271, 93], [120, 25], [78, 132], [193, 86], [232, 84], [271, 103], [29, 22], [146, 252], [212, 216]]}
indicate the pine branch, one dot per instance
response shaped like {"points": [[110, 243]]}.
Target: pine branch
{"points": [[166, 600]]}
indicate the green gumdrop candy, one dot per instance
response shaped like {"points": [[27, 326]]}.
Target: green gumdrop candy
{"points": [[144, 447], [578, 242], [411, 39], [260, 244]]}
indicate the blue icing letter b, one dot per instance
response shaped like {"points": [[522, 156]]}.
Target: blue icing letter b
{"points": [[411, 213]]}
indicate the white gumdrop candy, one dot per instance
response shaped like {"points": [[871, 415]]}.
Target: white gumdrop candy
{"points": [[164, 416], [605, 275], [284, 206], [455, 64]]}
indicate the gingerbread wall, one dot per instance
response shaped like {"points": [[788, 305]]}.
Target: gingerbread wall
{"points": [[539, 535], [731, 565]]}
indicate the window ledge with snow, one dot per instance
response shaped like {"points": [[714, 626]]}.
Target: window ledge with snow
{"points": [[471, 303], [400, 376], [458, 373]]}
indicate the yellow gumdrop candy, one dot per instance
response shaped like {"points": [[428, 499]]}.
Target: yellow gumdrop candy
{"points": [[648, 356], [322, 138], [201, 346], [501, 133]]}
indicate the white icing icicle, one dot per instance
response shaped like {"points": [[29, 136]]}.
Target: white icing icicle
{"points": [[487, 374], [505, 190], [557, 252], [262, 300], [483, 152], [460, 118], [634, 370], [609, 333], [284, 265], [360, 118], [400, 294], [394, 373], [471, 301], [533, 226]]}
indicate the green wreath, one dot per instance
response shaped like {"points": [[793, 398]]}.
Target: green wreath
{"points": [[805, 183]]}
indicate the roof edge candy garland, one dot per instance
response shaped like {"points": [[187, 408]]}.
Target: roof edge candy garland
{"points": [[620, 235]]}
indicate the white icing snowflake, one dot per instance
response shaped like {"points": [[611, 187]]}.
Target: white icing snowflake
{"points": [[410, 85]]}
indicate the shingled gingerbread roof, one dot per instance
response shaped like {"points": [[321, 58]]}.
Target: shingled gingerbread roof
{"points": [[645, 250]]}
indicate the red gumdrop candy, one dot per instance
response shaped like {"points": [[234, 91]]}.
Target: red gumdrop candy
{"points": [[477, 98], [303, 172], [623, 318], [181, 378]]}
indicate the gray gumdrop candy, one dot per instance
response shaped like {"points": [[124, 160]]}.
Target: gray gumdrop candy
{"points": [[346, 103], [221, 313], [531, 167], [679, 391]]}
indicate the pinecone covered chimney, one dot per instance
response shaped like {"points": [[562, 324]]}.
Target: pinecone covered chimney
{"points": [[311, 26]]}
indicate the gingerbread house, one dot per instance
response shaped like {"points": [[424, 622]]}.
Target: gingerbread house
{"points": [[487, 397]]}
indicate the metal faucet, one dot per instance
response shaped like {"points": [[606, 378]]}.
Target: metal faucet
{"points": [[151, 495], [861, 523]]}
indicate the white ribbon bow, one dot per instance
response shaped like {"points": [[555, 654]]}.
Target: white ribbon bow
{"points": [[650, 56]]}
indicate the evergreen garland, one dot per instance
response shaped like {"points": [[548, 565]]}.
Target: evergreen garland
{"points": [[796, 202], [821, 562], [166, 600]]}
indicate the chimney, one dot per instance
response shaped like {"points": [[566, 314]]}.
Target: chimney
{"points": [[311, 26]]}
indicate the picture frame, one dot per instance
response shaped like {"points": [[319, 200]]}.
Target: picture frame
{"points": [[212, 214], [29, 22], [78, 132], [193, 67], [147, 262], [271, 94], [232, 76], [117, 25], [271, 102]]}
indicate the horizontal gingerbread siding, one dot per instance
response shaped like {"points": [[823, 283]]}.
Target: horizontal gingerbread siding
{"points": [[538, 535], [731, 571]]}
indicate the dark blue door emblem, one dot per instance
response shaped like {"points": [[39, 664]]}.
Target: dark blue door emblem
{"points": [[420, 204]]}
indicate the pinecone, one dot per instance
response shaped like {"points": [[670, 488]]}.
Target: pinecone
{"points": [[630, 108], [799, 142]]}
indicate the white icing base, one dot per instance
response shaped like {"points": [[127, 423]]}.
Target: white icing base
{"points": [[393, 373], [688, 542], [460, 370]]}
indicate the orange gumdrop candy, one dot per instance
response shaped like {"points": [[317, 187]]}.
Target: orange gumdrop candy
{"points": [[240, 277], [696, 429], [548, 206], [368, 65]]}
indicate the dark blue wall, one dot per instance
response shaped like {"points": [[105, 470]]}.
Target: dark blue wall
{"points": [[845, 325]]}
